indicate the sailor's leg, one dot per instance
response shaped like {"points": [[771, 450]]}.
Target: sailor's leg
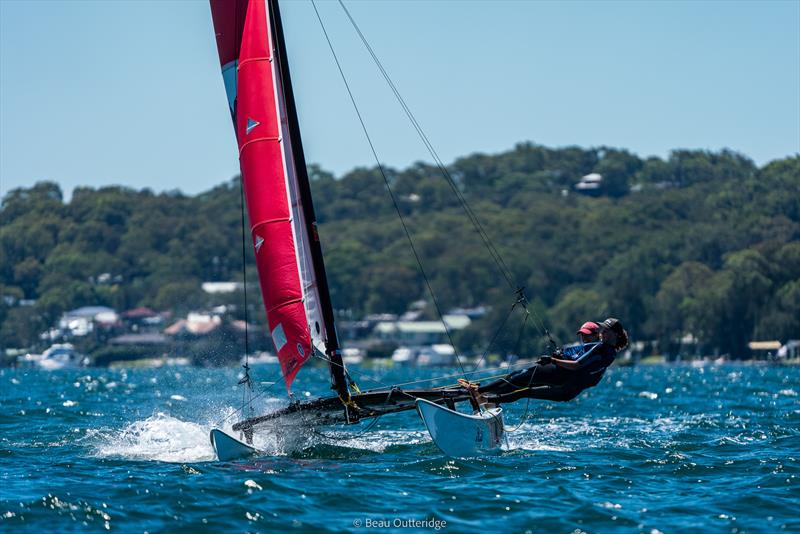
{"points": [[558, 393], [510, 382]]}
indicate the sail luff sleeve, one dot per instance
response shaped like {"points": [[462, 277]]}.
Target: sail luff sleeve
{"points": [[322, 292]]}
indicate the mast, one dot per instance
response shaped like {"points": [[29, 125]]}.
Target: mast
{"points": [[332, 348]]}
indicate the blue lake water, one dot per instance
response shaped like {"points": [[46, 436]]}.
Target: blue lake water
{"points": [[651, 449]]}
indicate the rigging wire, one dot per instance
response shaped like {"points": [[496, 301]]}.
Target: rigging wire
{"points": [[246, 381], [500, 329], [423, 380], [389, 188], [276, 379], [479, 228], [471, 215]]}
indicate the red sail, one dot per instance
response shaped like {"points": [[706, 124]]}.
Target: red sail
{"points": [[265, 157], [228, 16]]}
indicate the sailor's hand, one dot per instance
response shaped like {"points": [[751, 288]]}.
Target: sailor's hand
{"points": [[544, 360]]}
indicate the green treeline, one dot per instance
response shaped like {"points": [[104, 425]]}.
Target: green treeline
{"points": [[703, 243]]}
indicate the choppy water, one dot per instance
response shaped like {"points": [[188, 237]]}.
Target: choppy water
{"points": [[650, 449]]}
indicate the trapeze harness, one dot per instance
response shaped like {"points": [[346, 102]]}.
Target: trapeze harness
{"points": [[551, 382]]}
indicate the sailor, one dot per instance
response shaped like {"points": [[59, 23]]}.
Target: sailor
{"points": [[563, 375], [589, 332]]}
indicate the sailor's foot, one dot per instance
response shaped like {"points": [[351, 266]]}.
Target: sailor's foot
{"points": [[479, 399], [466, 384]]}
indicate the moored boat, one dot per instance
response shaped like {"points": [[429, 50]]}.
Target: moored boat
{"points": [[59, 356]]}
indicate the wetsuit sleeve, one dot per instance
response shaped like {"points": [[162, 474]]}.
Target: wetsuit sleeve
{"points": [[590, 356], [575, 352]]}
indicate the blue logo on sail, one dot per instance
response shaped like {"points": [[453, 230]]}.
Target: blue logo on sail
{"points": [[251, 123]]}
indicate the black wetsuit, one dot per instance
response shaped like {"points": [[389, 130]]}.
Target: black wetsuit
{"points": [[551, 382]]}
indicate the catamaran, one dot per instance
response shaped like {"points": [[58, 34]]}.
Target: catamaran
{"points": [[291, 270]]}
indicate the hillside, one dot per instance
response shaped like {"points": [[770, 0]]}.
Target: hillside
{"points": [[702, 243]]}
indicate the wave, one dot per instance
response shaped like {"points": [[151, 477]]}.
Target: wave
{"points": [[160, 437]]}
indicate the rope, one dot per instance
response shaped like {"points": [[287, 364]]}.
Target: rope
{"points": [[389, 188], [528, 400], [530, 381], [526, 414], [524, 419]]}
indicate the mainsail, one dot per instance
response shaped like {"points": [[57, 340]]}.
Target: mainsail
{"points": [[282, 221]]}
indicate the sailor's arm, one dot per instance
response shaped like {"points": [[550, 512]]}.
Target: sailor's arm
{"points": [[572, 365]]}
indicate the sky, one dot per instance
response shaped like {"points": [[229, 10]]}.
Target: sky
{"points": [[98, 93]]}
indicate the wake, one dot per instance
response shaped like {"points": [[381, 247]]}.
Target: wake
{"points": [[160, 437], [164, 438]]}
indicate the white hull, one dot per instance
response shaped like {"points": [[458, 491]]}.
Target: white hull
{"points": [[229, 448], [462, 435]]}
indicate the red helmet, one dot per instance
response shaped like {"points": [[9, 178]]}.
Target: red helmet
{"points": [[589, 328]]}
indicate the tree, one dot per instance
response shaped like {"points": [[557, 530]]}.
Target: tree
{"points": [[782, 318], [391, 288], [731, 300], [677, 309], [576, 306], [27, 274], [631, 279], [20, 328], [184, 296], [617, 167], [710, 244]]}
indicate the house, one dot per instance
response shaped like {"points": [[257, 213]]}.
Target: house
{"points": [[81, 321], [591, 184], [473, 313], [195, 324], [420, 332], [764, 349], [214, 288], [142, 320]]}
